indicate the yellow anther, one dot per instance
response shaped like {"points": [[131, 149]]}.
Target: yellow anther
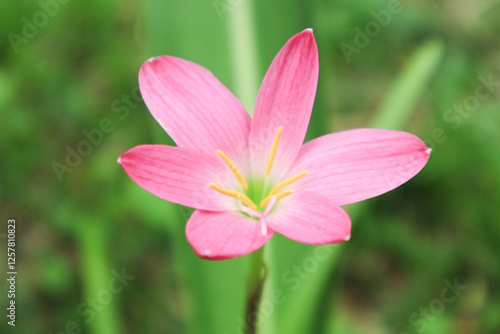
{"points": [[272, 154], [235, 194], [285, 183], [282, 195], [234, 169]]}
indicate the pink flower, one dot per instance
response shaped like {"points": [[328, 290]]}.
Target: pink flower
{"points": [[248, 178]]}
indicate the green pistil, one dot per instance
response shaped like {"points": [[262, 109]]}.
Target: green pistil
{"points": [[258, 190]]}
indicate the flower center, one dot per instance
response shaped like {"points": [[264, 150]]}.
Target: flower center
{"points": [[259, 191]]}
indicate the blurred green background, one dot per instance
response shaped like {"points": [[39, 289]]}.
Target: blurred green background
{"points": [[69, 67]]}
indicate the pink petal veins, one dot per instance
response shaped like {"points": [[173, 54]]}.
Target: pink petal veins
{"points": [[285, 98], [310, 218], [224, 235], [193, 107], [179, 175], [354, 165]]}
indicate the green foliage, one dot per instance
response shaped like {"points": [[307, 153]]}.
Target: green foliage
{"points": [[420, 72]]}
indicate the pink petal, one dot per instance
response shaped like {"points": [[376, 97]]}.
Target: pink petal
{"points": [[351, 166], [285, 99], [224, 235], [310, 218], [180, 176], [195, 109]]}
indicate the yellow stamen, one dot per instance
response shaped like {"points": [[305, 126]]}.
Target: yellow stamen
{"points": [[234, 169], [235, 194], [272, 154], [282, 195], [285, 183]]}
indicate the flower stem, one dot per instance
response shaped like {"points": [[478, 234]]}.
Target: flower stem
{"points": [[243, 53], [255, 282]]}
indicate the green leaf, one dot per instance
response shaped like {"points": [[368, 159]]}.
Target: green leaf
{"points": [[96, 274], [409, 86]]}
